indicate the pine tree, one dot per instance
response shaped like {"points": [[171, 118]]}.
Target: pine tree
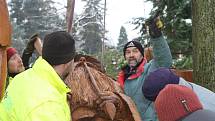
{"points": [[41, 17], [123, 39], [33, 16], [176, 16], [90, 26], [17, 19], [17, 40], [16, 11]]}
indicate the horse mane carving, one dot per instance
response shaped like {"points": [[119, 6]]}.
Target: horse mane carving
{"points": [[86, 80]]}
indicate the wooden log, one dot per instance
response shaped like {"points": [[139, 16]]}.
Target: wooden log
{"points": [[3, 73], [5, 26], [5, 37], [70, 14]]}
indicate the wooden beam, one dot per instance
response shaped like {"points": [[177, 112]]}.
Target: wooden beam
{"points": [[70, 14], [5, 41]]}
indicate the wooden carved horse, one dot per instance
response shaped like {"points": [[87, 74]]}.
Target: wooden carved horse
{"points": [[86, 81]]}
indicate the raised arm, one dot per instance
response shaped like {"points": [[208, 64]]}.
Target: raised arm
{"points": [[33, 43], [161, 53]]}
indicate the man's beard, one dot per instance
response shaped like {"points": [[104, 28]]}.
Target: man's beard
{"points": [[133, 62]]}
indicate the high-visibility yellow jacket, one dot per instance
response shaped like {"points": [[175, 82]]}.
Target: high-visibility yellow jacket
{"points": [[37, 94], [3, 114]]}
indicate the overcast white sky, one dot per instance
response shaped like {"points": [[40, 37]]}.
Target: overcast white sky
{"points": [[119, 12]]}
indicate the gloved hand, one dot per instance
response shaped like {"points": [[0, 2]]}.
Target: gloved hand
{"points": [[30, 45], [108, 97], [155, 26]]}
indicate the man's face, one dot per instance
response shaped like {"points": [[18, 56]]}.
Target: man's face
{"points": [[15, 64], [133, 56]]}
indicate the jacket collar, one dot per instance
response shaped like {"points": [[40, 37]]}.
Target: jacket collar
{"points": [[138, 71], [47, 72]]}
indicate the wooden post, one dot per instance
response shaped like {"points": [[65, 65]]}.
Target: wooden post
{"points": [[70, 14], [5, 37]]}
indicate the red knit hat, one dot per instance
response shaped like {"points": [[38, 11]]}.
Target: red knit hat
{"points": [[175, 102], [10, 52]]}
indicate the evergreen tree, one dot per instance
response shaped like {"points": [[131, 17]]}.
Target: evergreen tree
{"points": [[31, 16], [123, 39], [16, 11], [111, 61], [75, 32], [17, 40], [17, 19], [90, 26], [41, 17], [176, 16]]}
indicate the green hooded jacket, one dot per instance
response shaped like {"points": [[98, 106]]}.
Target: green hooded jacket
{"points": [[133, 87]]}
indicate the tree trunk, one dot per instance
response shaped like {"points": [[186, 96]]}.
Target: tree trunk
{"points": [[203, 37], [69, 14]]}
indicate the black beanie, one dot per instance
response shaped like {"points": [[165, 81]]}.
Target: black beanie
{"points": [[136, 44], [58, 48]]}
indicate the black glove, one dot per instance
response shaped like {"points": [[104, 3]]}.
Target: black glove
{"points": [[155, 26], [30, 45]]}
